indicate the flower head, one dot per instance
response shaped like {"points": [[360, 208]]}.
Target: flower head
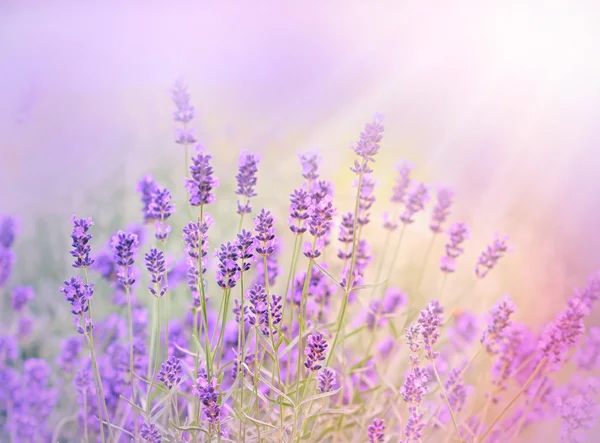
{"points": [[201, 184], [184, 111], [228, 269], [81, 242], [402, 183], [316, 346], [8, 230], [415, 386], [160, 206], [376, 431], [441, 210], [299, 205], [20, 296], [564, 333], [326, 380], [499, 320], [489, 258], [146, 187], [310, 165], [170, 372], [149, 432], [430, 320], [125, 248], [415, 202], [367, 146], [246, 181], [265, 233], [155, 263]]}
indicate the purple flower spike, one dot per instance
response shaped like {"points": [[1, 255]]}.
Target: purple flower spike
{"points": [[564, 333], [326, 380], [273, 269], [366, 199], [20, 297], [155, 263], [7, 258], [228, 270], [376, 431], [310, 165], [499, 321], [389, 222], [146, 187], [402, 183], [8, 230], [265, 233], [258, 307], [81, 239], [489, 258], [299, 205], [160, 207], [184, 111], [578, 408], [202, 183], [415, 426], [170, 372], [321, 214], [246, 181], [415, 202], [316, 346], [367, 146], [430, 320], [125, 247], [208, 393], [588, 355], [441, 210], [415, 386], [149, 432], [79, 294]]}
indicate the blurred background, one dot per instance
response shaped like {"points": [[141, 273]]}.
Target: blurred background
{"points": [[498, 100]]}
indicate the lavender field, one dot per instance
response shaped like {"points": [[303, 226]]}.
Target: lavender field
{"points": [[181, 262]]}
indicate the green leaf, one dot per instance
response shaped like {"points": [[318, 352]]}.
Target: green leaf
{"points": [[188, 428], [324, 271], [373, 285], [254, 420], [319, 396], [356, 331]]}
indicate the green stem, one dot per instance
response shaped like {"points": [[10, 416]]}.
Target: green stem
{"points": [[131, 374], [424, 265], [536, 371], [437, 376]]}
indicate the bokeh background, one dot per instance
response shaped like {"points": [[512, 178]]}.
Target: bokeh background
{"points": [[499, 100]]}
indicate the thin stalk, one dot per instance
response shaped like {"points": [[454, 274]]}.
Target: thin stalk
{"points": [[394, 258], [153, 351], [424, 265], [85, 421], [342, 316], [536, 371], [203, 304], [166, 296], [223, 310], [386, 244], [437, 376], [131, 374]]}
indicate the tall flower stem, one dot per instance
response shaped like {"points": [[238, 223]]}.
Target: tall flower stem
{"points": [[131, 374], [394, 258], [534, 374], [154, 350], [441, 385], [424, 264], [342, 316]]}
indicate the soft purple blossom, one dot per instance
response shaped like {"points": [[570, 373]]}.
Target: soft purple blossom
{"points": [[403, 182], [415, 202], [367, 146], [201, 184], [321, 215], [8, 230], [20, 296], [499, 320], [441, 210], [246, 181], [146, 187], [155, 264], [81, 242], [170, 372], [184, 111], [588, 355], [376, 431], [78, 294], [300, 203], [208, 392], [413, 430], [7, 258], [265, 233], [366, 198], [149, 432], [310, 165], [195, 238], [326, 379], [228, 269], [68, 357], [415, 386], [272, 270], [490, 256], [160, 206], [578, 409], [346, 236], [430, 320], [316, 345], [125, 248]]}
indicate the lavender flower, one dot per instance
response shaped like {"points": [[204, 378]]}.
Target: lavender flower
{"points": [[170, 372], [402, 183], [316, 346], [458, 233], [367, 146], [564, 333], [208, 393], [265, 233], [20, 297], [389, 222], [246, 181], [8, 231], [149, 432], [499, 320], [81, 239], [441, 210], [365, 199], [258, 306], [346, 236], [430, 321], [326, 380], [7, 258], [489, 258], [78, 294], [416, 200], [415, 426], [67, 359], [456, 391], [196, 246], [202, 183], [321, 214], [146, 187], [160, 209], [578, 409], [588, 355], [413, 333], [300, 203], [155, 263], [228, 270], [272, 271], [376, 431], [125, 247], [415, 386], [83, 379], [310, 165]]}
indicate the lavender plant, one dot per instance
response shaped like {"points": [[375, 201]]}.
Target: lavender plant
{"points": [[329, 348]]}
